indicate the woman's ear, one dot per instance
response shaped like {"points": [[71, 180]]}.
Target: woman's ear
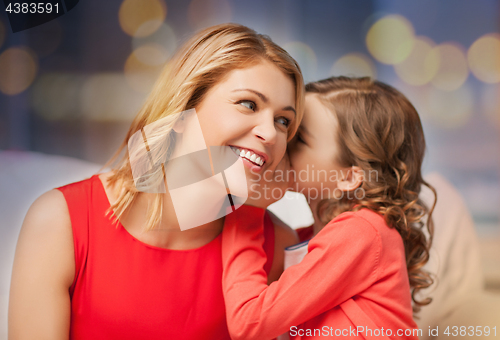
{"points": [[180, 125], [352, 178]]}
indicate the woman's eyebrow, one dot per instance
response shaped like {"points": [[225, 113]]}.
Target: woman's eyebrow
{"points": [[265, 99], [261, 96]]}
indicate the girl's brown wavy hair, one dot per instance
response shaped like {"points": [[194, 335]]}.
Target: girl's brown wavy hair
{"points": [[380, 132]]}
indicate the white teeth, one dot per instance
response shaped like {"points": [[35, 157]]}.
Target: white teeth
{"points": [[249, 155]]}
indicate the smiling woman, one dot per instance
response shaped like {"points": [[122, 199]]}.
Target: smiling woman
{"points": [[256, 104], [78, 274]]}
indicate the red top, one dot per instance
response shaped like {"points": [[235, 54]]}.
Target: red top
{"points": [[353, 276], [126, 289], [305, 233]]}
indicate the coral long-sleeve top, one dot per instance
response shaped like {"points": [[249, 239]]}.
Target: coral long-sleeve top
{"points": [[353, 276], [126, 289]]}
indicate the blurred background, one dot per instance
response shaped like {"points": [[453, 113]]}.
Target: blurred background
{"points": [[71, 87]]}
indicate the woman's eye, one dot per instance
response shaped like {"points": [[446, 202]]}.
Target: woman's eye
{"points": [[299, 139], [284, 121], [249, 104]]}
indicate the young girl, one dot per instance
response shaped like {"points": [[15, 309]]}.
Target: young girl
{"points": [[361, 145]]}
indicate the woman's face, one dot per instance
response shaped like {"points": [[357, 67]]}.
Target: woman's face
{"points": [[250, 110], [314, 150]]}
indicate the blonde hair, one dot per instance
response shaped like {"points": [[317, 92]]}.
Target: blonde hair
{"points": [[380, 130], [203, 61]]}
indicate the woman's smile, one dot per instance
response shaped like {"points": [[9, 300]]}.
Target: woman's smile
{"points": [[251, 159]]}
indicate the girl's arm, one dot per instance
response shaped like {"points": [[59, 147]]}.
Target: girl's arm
{"points": [[342, 261], [44, 268]]}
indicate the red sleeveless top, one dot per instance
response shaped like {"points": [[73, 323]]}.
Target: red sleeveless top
{"points": [[126, 289]]}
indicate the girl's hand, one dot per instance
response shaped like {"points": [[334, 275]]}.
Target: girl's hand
{"points": [[272, 185]]}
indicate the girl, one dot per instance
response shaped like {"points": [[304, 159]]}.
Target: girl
{"points": [[77, 275], [364, 142]]}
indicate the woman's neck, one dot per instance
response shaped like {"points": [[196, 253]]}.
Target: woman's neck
{"points": [[167, 234]]}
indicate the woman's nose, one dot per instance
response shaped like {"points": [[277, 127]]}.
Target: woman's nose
{"points": [[266, 130]]}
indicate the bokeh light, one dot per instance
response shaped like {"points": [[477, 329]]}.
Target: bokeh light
{"points": [[55, 96], [421, 65], [3, 33], [163, 39], [451, 109], [18, 67], [152, 54], [141, 75], [305, 57], [484, 58], [354, 65], [148, 15], [390, 39], [453, 70], [107, 97], [490, 103], [205, 13], [44, 39]]}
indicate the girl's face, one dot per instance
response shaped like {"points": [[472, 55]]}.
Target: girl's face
{"points": [[314, 151], [250, 110]]}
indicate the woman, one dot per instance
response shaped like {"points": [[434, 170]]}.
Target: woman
{"points": [[78, 275]]}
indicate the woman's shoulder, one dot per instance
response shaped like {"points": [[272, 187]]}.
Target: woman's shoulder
{"points": [[81, 185], [49, 210], [77, 193], [50, 213], [44, 267], [46, 233]]}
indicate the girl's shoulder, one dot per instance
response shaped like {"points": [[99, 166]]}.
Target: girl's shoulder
{"points": [[367, 222], [363, 216]]}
